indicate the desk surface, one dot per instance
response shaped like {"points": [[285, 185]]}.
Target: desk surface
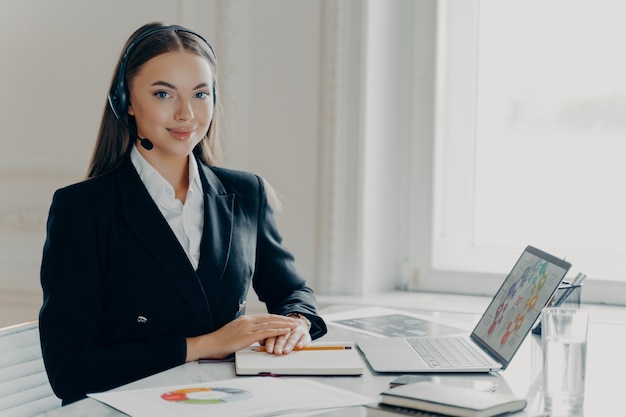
{"points": [[522, 377]]}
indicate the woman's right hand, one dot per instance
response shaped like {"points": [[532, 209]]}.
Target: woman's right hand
{"points": [[238, 334]]}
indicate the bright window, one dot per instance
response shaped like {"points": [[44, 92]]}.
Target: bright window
{"points": [[530, 134]]}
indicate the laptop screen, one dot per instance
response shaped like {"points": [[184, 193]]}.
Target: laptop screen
{"points": [[518, 303]]}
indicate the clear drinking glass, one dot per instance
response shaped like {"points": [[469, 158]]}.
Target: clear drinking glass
{"points": [[564, 345]]}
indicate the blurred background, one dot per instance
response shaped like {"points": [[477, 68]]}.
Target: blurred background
{"points": [[416, 145]]}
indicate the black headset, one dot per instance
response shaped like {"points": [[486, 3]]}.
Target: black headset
{"points": [[118, 96]]}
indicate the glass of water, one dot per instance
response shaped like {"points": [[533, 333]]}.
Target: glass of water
{"points": [[564, 345]]}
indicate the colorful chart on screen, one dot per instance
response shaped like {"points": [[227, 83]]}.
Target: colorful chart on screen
{"points": [[518, 303]]}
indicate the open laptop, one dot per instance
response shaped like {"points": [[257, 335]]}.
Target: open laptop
{"points": [[499, 333]]}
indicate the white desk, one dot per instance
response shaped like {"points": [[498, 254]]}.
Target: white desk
{"points": [[605, 367]]}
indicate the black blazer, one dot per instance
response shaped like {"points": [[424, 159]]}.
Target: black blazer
{"points": [[120, 295]]}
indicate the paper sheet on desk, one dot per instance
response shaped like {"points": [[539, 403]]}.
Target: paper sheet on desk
{"points": [[386, 322], [241, 397]]}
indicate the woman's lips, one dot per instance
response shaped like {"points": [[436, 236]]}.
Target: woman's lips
{"points": [[181, 134]]}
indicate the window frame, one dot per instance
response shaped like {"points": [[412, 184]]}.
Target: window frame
{"points": [[429, 270]]}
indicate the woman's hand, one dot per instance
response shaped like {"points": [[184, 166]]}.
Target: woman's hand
{"points": [[284, 344], [242, 332]]}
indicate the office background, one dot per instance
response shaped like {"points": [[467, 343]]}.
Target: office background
{"points": [[293, 87], [332, 101]]}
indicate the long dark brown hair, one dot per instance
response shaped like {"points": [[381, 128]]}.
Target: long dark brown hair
{"points": [[114, 140]]}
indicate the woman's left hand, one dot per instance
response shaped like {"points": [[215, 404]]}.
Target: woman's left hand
{"points": [[294, 340]]}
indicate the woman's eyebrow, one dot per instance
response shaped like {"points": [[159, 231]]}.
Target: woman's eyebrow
{"points": [[173, 87], [164, 84]]}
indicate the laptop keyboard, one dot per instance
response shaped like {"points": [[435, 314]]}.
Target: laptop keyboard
{"points": [[447, 352]]}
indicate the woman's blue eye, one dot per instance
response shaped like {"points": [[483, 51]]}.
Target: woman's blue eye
{"points": [[202, 94], [161, 94]]}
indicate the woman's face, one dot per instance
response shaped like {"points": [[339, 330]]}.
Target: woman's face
{"points": [[171, 100]]}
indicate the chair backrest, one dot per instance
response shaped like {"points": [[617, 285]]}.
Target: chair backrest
{"points": [[24, 387]]}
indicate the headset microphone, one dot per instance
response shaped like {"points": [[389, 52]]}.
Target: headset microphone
{"points": [[146, 143]]}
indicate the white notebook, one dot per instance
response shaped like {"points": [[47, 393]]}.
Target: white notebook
{"points": [[322, 358]]}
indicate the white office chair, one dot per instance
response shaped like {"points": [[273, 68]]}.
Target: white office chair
{"points": [[24, 387]]}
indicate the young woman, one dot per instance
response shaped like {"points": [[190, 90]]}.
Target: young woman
{"points": [[147, 264]]}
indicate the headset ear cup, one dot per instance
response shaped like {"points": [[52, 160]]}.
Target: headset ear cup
{"points": [[122, 101], [118, 100]]}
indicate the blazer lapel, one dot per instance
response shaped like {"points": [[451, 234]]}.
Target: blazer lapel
{"points": [[218, 228], [151, 228]]}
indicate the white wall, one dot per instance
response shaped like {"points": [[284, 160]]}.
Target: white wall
{"points": [[387, 122]]}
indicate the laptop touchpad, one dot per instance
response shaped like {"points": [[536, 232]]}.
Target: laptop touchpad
{"points": [[390, 354]]}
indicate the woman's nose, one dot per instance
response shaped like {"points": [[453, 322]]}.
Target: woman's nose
{"points": [[184, 111]]}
